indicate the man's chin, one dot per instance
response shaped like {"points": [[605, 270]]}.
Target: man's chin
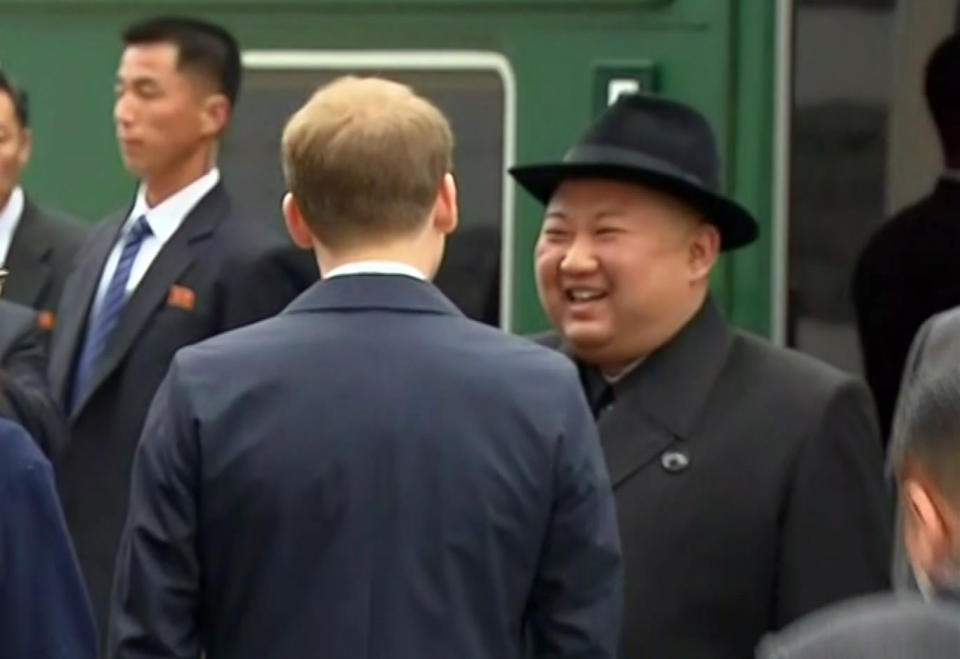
{"points": [[585, 339]]}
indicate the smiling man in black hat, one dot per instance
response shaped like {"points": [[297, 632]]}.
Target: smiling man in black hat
{"points": [[748, 478]]}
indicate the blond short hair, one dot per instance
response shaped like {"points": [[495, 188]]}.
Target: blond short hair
{"points": [[365, 158]]}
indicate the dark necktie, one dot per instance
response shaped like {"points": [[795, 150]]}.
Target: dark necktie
{"points": [[102, 323]]}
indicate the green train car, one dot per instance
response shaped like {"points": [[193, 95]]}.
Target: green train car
{"points": [[518, 78]]}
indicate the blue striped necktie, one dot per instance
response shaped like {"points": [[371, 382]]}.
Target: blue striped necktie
{"points": [[103, 321]]}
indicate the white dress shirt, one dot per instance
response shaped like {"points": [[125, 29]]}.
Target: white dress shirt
{"points": [[622, 373], [9, 219], [376, 268], [164, 220]]}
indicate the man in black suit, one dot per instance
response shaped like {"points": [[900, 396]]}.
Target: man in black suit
{"points": [[36, 246], [24, 394], [926, 458], [369, 474], [179, 266], [748, 478], [909, 269]]}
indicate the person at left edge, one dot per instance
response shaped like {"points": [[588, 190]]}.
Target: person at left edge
{"points": [[37, 245], [178, 266], [24, 394], [44, 609]]}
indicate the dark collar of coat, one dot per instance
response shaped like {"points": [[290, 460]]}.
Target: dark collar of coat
{"points": [[29, 257], [671, 385], [16, 322], [366, 292], [34, 239]]}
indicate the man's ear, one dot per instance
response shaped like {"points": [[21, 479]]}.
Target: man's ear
{"points": [[704, 249], [926, 534], [446, 214], [216, 114], [296, 224], [26, 149]]}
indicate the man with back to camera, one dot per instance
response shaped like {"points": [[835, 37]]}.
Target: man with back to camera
{"points": [[380, 476], [178, 266], [748, 478], [37, 246], [925, 453]]}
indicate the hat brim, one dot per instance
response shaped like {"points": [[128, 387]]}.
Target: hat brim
{"points": [[736, 225]]}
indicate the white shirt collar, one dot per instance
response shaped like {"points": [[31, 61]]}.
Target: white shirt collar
{"points": [[624, 372], [376, 268], [167, 216], [9, 219]]}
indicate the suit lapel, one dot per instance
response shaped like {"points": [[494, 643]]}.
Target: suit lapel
{"points": [[152, 292], [630, 439], [658, 403], [78, 295], [28, 258]]}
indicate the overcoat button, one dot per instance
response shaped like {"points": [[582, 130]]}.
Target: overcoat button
{"points": [[675, 461]]}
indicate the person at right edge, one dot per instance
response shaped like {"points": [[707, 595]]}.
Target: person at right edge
{"points": [[909, 269], [748, 478]]}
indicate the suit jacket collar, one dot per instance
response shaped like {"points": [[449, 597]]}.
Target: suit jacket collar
{"points": [[174, 257], [29, 257], [16, 321], [657, 404], [672, 384], [365, 292]]}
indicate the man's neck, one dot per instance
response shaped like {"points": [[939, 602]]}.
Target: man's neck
{"points": [[159, 188], [614, 371], [405, 253], [4, 201]]}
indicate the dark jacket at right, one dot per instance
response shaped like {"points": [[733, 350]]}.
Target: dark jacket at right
{"points": [[749, 487], [909, 271]]}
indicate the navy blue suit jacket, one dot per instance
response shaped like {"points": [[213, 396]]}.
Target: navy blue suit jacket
{"points": [[44, 609], [369, 474]]}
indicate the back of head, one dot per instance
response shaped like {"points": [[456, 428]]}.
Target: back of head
{"points": [[926, 455], [203, 48], [364, 159], [928, 438], [943, 94]]}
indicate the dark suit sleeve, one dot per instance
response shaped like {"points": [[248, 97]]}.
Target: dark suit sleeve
{"points": [[264, 285], [835, 540], [156, 592], [26, 397], [45, 610], [577, 597]]}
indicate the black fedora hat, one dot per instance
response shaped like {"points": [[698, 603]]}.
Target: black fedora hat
{"points": [[658, 143]]}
